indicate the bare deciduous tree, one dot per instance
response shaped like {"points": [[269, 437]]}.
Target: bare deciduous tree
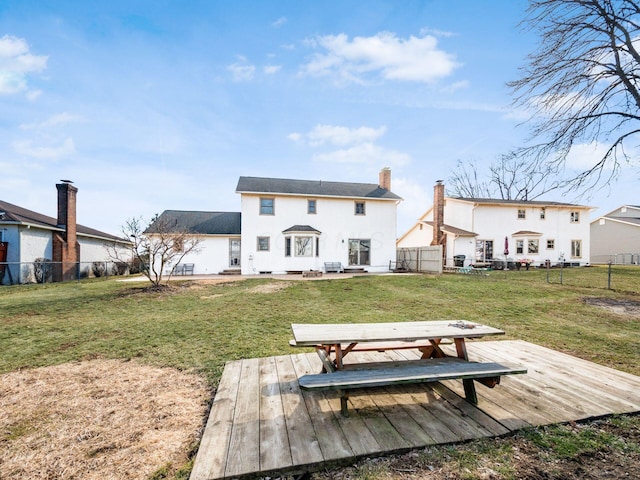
{"points": [[158, 248], [509, 178], [582, 83]]}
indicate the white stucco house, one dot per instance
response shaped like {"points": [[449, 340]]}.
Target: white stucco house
{"points": [[615, 237], [475, 231], [26, 236], [290, 225]]}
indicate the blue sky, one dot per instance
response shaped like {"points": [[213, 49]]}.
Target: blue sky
{"points": [[155, 105]]}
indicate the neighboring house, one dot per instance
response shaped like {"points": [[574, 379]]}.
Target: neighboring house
{"points": [[297, 225], [219, 234], [615, 237], [26, 236], [484, 231]]}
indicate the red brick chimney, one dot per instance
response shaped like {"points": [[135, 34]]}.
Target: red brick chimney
{"points": [[385, 178], [66, 250], [438, 213]]}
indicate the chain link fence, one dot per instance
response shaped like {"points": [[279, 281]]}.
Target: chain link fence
{"points": [[43, 270]]}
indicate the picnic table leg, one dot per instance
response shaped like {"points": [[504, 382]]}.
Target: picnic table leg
{"points": [[344, 397], [469, 386]]}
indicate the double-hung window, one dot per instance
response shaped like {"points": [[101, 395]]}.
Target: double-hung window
{"points": [[311, 207], [359, 208], [263, 244], [267, 206]]}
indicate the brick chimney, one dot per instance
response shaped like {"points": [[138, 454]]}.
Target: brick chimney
{"points": [[66, 250], [385, 178], [438, 213]]}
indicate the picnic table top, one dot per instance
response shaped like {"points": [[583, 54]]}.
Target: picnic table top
{"points": [[308, 334]]}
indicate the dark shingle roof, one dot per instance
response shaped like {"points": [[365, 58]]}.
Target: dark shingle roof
{"points": [[496, 201], [301, 228], [204, 223], [19, 215], [318, 188]]}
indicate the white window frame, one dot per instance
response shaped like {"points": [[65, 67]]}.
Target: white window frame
{"points": [[522, 214], [551, 244], [530, 243], [576, 248], [364, 208], [575, 217]]}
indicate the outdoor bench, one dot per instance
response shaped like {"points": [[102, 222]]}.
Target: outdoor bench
{"points": [[333, 267], [400, 373]]}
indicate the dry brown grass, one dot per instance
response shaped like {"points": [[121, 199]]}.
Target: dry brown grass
{"points": [[98, 419]]}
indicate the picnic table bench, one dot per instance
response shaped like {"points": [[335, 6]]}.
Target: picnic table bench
{"points": [[425, 336]]}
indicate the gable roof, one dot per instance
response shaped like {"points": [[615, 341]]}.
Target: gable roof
{"points": [[13, 214], [203, 223], [496, 201], [319, 188]]}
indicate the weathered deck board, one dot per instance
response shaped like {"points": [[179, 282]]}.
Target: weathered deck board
{"points": [[261, 423]]}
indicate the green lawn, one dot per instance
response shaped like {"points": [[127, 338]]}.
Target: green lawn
{"points": [[201, 326], [198, 327]]}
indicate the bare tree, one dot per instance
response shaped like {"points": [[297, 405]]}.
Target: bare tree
{"points": [[158, 248], [582, 83], [508, 178]]}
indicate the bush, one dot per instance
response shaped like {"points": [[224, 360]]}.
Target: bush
{"points": [[99, 269], [42, 269]]}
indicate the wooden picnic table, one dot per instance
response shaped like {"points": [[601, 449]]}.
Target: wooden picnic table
{"points": [[334, 341]]}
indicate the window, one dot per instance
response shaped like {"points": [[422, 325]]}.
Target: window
{"points": [[303, 246], [522, 213], [287, 246], [575, 217], [484, 250], [551, 244], [360, 208], [519, 246], [311, 206], [532, 246], [576, 248], [267, 206], [263, 244], [359, 251], [543, 213]]}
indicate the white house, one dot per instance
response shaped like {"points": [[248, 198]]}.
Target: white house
{"points": [[615, 237], [294, 225], [26, 236], [484, 231], [297, 225]]}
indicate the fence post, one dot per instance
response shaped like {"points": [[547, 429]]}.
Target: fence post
{"points": [[609, 277]]}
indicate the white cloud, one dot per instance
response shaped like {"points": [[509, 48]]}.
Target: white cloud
{"points": [[416, 59], [16, 63], [271, 69], [27, 148], [294, 137], [279, 22], [336, 135], [53, 121], [365, 153], [241, 70], [584, 156]]}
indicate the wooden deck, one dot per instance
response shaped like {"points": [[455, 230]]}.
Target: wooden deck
{"points": [[261, 424]]}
